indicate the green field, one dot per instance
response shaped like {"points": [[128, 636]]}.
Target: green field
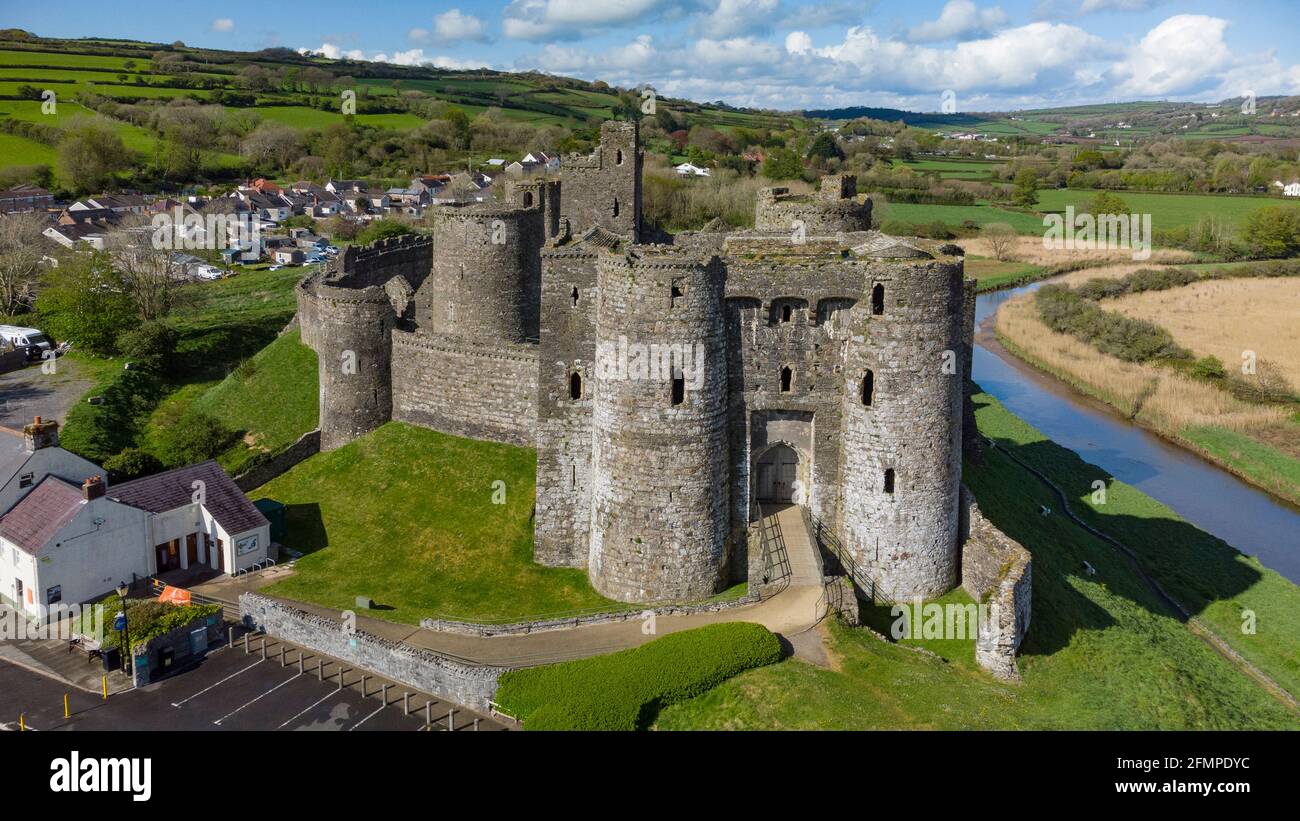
{"points": [[22, 151], [406, 516], [1167, 210], [957, 214], [303, 117], [1102, 652]]}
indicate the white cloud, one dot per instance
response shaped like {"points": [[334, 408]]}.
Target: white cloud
{"points": [[733, 17], [1180, 55], [418, 35], [223, 24], [959, 20], [557, 19], [798, 42], [410, 57], [453, 26], [333, 52]]}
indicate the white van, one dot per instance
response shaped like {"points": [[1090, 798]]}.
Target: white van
{"points": [[28, 339]]}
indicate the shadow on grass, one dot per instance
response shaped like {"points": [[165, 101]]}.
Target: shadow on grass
{"points": [[1194, 567], [305, 528]]}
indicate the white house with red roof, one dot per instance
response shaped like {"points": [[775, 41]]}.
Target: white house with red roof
{"points": [[68, 540]]}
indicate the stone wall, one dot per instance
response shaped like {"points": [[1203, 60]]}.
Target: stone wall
{"points": [[659, 430], [603, 188], [308, 445], [466, 628], [483, 285], [905, 536], [424, 670], [997, 571], [477, 390], [832, 210], [562, 534]]}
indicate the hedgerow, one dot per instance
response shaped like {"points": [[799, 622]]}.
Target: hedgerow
{"points": [[625, 690]]}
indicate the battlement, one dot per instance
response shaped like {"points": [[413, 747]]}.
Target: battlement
{"points": [[833, 209]]}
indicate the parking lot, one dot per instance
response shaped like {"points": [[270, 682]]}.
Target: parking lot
{"points": [[236, 690]]}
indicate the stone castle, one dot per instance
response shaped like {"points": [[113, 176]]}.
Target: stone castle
{"points": [[669, 387]]}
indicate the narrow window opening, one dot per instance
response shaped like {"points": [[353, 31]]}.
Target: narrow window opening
{"points": [[889, 480], [618, 157], [868, 388], [679, 388], [678, 291], [574, 296], [787, 313], [575, 385], [573, 475], [878, 299], [616, 207], [787, 376], [528, 199]]}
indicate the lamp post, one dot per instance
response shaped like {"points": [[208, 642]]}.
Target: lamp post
{"points": [[125, 644]]}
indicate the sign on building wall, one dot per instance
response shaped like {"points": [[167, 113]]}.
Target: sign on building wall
{"points": [[246, 545]]}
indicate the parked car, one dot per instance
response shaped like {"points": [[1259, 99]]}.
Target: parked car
{"points": [[31, 340]]}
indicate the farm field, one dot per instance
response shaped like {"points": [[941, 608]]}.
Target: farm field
{"points": [[1223, 318], [303, 117], [1167, 210], [957, 214], [950, 169], [22, 151]]}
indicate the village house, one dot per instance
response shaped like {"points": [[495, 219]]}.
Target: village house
{"points": [[25, 198], [688, 170], [67, 537]]}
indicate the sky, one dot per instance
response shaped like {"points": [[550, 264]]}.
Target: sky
{"points": [[785, 54]]}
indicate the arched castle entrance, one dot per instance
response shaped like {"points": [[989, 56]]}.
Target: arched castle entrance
{"points": [[780, 476]]}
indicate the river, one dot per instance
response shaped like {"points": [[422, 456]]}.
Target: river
{"points": [[1204, 494]]}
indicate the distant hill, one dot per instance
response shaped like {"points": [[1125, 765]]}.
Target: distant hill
{"points": [[893, 115]]}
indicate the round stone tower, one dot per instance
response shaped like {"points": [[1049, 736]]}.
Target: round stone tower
{"points": [[352, 335], [901, 463], [485, 274], [659, 450]]}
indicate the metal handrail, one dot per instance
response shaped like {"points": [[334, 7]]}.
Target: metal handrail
{"points": [[826, 540]]}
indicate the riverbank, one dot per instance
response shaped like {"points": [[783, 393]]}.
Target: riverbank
{"points": [[1245, 439], [1103, 651]]}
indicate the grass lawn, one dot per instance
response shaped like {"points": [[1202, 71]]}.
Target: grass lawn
{"points": [[406, 517], [1167, 210], [273, 398], [993, 274], [1101, 653], [22, 151]]}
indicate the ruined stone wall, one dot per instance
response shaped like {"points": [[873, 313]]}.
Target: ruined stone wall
{"points": [[471, 389], [659, 509], [485, 274], [351, 331], [778, 210], [996, 570], [410, 257], [540, 193], [907, 538], [562, 532], [604, 188]]}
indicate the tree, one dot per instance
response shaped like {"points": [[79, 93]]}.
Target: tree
{"points": [[151, 345], [382, 229], [782, 164], [1106, 203], [84, 301], [90, 154], [825, 146], [148, 270], [1272, 231], [1025, 192], [131, 463], [1001, 238], [20, 260], [272, 146]]}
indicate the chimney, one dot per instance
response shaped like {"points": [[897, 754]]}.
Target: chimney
{"points": [[93, 488], [41, 434]]}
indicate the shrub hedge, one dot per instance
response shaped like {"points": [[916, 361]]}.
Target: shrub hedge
{"points": [[1133, 340], [625, 690]]}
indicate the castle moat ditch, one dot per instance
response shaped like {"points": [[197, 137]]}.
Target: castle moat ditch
{"points": [[1204, 494]]}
